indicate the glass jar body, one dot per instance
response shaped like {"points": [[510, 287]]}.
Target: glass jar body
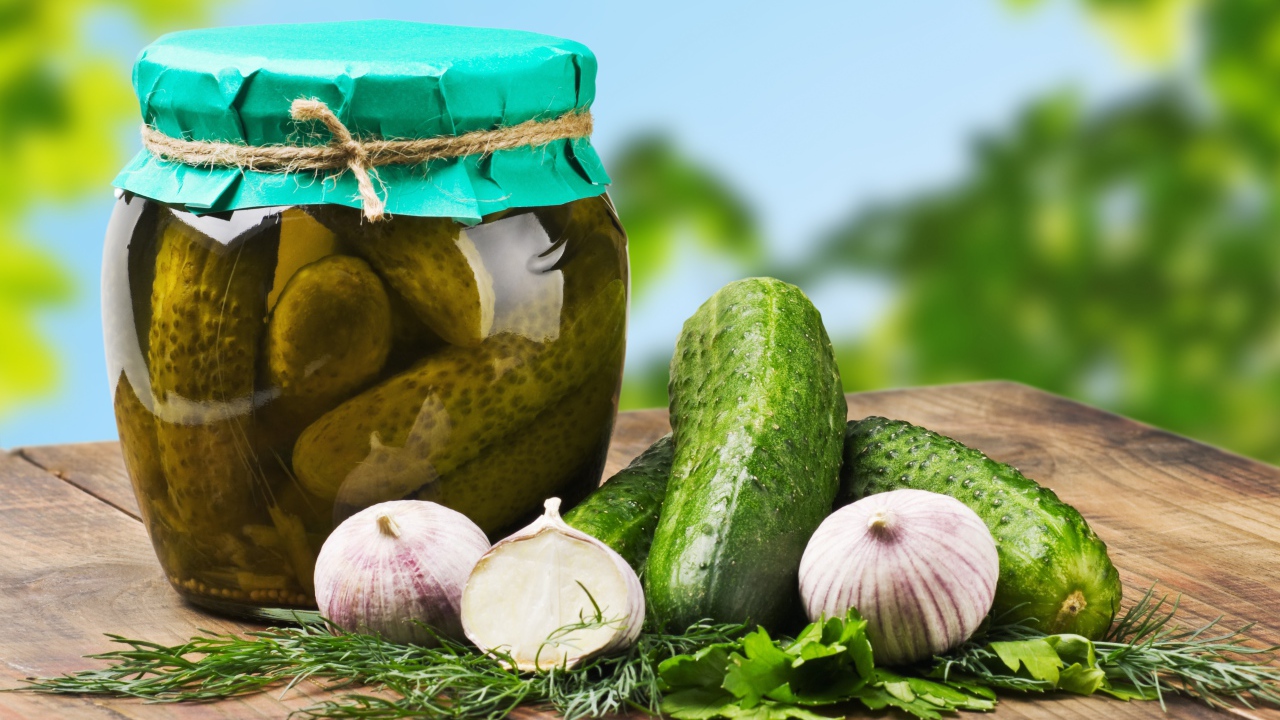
{"points": [[276, 370]]}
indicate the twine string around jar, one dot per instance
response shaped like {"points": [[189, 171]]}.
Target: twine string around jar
{"points": [[360, 156]]}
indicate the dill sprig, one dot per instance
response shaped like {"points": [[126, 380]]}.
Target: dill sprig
{"points": [[451, 680], [1215, 665], [1144, 655]]}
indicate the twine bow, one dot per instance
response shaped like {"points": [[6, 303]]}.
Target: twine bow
{"points": [[357, 158], [344, 152]]}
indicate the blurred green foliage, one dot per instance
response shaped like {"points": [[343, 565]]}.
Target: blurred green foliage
{"points": [[667, 200], [1146, 30], [1242, 66], [62, 105], [1128, 257]]}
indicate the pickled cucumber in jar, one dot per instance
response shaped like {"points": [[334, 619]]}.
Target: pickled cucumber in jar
{"points": [[272, 409], [308, 313]]}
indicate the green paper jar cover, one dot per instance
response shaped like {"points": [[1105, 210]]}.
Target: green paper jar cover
{"points": [[381, 78]]}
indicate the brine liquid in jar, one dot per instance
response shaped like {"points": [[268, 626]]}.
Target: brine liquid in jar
{"points": [[275, 370]]}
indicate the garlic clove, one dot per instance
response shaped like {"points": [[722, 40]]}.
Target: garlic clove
{"points": [[525, 594], [394, 566], [921, 567]]}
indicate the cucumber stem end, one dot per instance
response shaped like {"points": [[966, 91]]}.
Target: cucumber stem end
{"points": [[1071, 607]]}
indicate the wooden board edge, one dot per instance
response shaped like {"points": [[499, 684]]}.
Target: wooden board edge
{"points": [[23, 454]]}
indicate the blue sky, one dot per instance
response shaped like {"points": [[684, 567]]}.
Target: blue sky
{"points": [[809, 109]]}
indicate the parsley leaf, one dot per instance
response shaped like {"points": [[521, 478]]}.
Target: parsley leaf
{"points": [[828, 663], [1036, 656]]}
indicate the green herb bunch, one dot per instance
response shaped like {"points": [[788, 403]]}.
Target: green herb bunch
{"points": [[1144, 656], [829, 663], [451, 680], [707, 671]]}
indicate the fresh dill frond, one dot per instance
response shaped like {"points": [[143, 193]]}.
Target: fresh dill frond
{"points": [[1144, 655], [451, 680], [1148, 651]]}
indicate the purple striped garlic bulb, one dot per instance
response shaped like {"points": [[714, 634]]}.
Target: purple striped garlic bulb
{"points": [[920, 567], [395, 565]]}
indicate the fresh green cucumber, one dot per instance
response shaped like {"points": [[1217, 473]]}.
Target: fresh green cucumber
{"points": [[623, 512], [1054, 571], [758, 418]]}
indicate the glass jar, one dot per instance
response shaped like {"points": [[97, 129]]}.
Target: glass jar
{"points": [[276, 369]]}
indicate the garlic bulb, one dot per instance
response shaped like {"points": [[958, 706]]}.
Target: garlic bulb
{"points": [[921, 568], [396, 564], [524, 594]]}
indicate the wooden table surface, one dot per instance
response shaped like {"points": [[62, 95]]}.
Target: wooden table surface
{"points": [[75, 561]]}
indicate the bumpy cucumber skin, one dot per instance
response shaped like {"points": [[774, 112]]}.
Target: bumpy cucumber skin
{"points": [[623, 513], [138, 445], [1050, 560], [758, 418], [431, 419], [137, 429], [208, 305], [560, 452], [445, 425], [328, 337], [303, 240], [411, 339], [434, 266], [331, 331]]}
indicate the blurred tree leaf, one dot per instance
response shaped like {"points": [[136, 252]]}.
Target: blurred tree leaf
{"points": [[1237, 43], [1150, 31], [27, 367], [63, 104], [29, 280], [645, 386], [1242, 63], [665, 198], [31, 277]]}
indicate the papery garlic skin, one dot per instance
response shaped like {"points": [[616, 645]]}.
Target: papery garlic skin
{"points": [[921, 567], [536, 582], [395, 565]]}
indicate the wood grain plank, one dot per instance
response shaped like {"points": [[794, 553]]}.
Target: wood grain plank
{"points": [[72, 568], [1203, 522], [97, 468], [632, 434]]}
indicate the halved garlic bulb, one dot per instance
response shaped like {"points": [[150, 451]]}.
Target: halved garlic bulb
{"points": [[395, 565], [921, 567], [552, 596]]}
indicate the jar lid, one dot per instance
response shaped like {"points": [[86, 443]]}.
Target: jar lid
{"points": [[381, 80]]}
